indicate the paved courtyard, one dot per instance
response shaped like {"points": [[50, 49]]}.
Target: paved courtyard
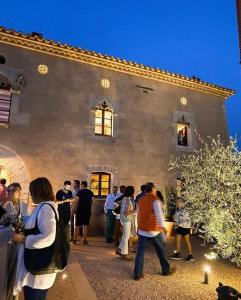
{"points": [[95, 272]]}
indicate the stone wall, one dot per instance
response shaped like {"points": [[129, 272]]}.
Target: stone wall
{"points": [[52, 122]]}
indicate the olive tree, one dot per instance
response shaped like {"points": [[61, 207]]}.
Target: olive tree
{"points": [[212, 193]]}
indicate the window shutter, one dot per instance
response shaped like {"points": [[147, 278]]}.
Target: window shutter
{"points": [[5, 105]]}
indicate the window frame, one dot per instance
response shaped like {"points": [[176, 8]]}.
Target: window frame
{"points": [[104, 108], [100, 174]]}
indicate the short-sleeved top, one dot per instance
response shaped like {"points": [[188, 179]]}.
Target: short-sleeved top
{"points": [[85, 201], [182, 218], [64, 209]]}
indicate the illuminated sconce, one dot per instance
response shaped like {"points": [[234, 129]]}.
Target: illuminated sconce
{"points": [[183, 100], [105, 83], [43, 69]]}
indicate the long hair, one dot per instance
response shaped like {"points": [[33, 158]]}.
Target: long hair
{"points": [[41, 190], [129, 191]]}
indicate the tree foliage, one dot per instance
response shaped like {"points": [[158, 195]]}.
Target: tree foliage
{"points": [[212, 194]]}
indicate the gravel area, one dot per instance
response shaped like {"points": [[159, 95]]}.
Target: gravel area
{"points": [[110, 276]]}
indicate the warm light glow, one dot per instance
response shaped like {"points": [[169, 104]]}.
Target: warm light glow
{"points": [[43, 69], [207, 269], [105, 83], [64, 276], [183, 100], [211, 255]]}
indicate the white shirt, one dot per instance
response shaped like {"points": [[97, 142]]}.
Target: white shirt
{"points": [[160, 219], [47, 227], [109, 202]]}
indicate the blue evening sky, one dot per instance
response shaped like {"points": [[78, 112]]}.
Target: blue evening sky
{"points": [[184, 36]]}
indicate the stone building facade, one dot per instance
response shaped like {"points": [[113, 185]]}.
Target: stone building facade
{"points": [[68, 113]]}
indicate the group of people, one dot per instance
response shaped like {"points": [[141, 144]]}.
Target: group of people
{"points": [[143, 216], [35, 227], [127, 217], [74, 206]]}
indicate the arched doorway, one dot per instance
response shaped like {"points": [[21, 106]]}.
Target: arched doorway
{"points": [[13, 169]]}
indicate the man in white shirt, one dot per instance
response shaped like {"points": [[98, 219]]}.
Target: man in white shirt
{"points": [[151, 229], [110, 217]]}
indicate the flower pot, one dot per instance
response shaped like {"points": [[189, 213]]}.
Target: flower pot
{"points": [[169, 228]]}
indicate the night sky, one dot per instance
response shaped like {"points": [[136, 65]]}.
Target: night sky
{"points": [[183, 36]]}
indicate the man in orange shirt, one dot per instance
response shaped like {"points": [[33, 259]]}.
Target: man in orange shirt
{"points": [[151, 229]]}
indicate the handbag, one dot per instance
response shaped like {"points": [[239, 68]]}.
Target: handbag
{"points": [[118, 201], [51, 259]]}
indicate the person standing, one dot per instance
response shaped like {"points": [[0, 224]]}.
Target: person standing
{"points": [[63, 199], [126, 217], [73, 207], [83, 212], [110, 217], [183, 228], [142, 193], [117, 210], [12, 207], [151, 225], [36, 287]]}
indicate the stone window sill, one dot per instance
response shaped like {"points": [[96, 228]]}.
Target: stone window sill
{"points": [[4, 125], [184, 148]]}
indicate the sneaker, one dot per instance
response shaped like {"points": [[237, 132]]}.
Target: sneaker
{"points": [[138, 277], [172, 271], [189, 258], [175, 256]]}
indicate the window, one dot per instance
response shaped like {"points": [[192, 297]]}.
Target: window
{"points": [[183, 132], [182, 139], [5, 105], [100, 184], [103, 120], [105, 83]]}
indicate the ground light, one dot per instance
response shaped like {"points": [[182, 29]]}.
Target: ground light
{"points": [[211, 255], [207, 270]]}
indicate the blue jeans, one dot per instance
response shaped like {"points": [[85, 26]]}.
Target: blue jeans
{"points": [[34, 294], [158, 243]]}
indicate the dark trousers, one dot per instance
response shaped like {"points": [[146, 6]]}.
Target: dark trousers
{"points": [[34, 294], [72, 225], [110, 225], [117, 232], [158, 243]]}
